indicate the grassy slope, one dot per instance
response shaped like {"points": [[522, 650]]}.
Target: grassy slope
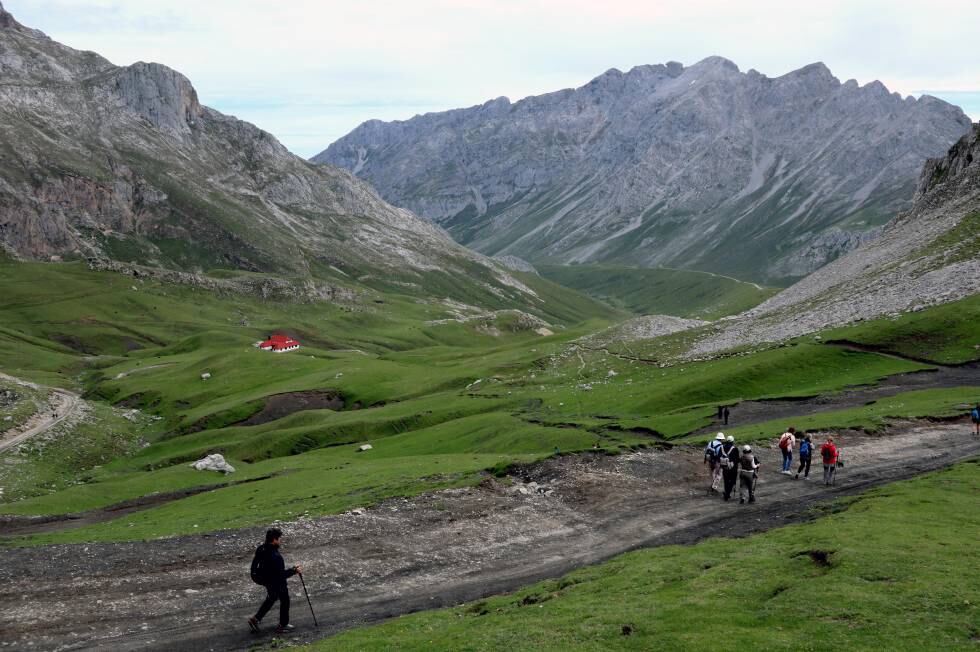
{"points": [[946, 334], [898, 579], [645, 291], [449, 401]]}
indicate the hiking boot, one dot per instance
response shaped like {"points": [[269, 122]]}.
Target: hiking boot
{"points": [[752, 500], [796, 477], [253, 624], [741, 501], [284, 629]]}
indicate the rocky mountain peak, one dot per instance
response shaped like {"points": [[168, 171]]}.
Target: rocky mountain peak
{"points": [[159, 94], [665, 165], [963, 159], [716, 63]]}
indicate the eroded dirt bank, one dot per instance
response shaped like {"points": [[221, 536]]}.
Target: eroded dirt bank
{"points": [[193, 593]]}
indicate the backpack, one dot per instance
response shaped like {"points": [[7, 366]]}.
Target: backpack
{"points": [[257, 572], [712, 452], [724, 457], [826, 454], [805, 448], [975, 414], [784, 441]]}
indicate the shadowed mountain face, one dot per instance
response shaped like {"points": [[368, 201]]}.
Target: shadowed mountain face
{"points": [[703, 166], [124, 164]]}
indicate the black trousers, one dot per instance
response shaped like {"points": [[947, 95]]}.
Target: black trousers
{"points": [[731, 477], [804, 462], [278, 592]]}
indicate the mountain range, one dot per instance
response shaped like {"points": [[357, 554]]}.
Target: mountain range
{"points": [[703, 166], [124, 165]]}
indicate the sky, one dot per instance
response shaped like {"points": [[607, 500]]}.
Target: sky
{"points": [[309, 71]]}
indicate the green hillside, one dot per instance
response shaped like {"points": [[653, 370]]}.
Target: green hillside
{"points": [[441, 401], [650, 291]]}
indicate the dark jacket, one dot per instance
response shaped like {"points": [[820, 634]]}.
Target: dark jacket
{"points": [[730, 451], [273, 565]]}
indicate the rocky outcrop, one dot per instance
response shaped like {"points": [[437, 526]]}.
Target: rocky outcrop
{"points": [[702, 166], [516, 264], [123, 165]]}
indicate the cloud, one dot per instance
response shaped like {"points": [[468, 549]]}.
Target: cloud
{"points": [[308, 67]]}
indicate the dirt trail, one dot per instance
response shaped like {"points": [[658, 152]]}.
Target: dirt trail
{"points": [[750, 412], [61, 405], [193, 593]]}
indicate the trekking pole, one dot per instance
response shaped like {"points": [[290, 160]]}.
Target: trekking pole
{"points": [[316, 624]]}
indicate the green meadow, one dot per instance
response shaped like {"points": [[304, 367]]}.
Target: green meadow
{"points": [[441, 402]]}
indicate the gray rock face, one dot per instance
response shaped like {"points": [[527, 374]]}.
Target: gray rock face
{"points": [[700, 166], [926, 256], [124, 165]]}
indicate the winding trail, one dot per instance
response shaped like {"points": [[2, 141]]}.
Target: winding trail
{"points": [[439, 549], [61, 405]]}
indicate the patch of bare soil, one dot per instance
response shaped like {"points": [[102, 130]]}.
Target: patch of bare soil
{"points": [[193, 593], [278, 406]]}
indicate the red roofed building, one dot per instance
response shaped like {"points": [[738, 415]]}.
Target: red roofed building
{"points": [[279, 344]]}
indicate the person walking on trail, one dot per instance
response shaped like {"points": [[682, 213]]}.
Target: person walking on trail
{"points": [[806, 453], [269, 569], [787, 442], [725, 414], [729, 465], [829, 453], [975, 418], [712, 458], [747, 474]]}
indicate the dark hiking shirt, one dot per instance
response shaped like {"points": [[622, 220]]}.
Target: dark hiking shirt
{"points": [[273, 565]]}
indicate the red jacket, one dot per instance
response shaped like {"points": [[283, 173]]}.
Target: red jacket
{"points": [[829, 453]]}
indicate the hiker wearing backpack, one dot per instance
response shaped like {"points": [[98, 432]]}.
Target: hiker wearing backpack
{"points": [[975, 417], [786, 444], [806, 453], [712, 458], [269, 570], [747, 474], [729, 465], [828, 452]]}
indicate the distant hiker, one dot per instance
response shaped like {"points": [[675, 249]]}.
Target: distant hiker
{"points": [[269, 570], [721, 412], [712, 458], [729, 465], [747, 474], [975, 418], [806, 453], [725, 414], [828, 452], [786, 444]]}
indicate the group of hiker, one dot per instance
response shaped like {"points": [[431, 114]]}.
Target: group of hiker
{"points": [[728, 464]]}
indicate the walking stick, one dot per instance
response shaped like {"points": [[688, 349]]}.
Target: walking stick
{"points": [[316, 624]]}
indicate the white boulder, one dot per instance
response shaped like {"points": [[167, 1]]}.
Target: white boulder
{"points": [[215, 462]]}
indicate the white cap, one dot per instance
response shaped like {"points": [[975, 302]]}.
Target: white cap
{"points": [[746, 449], [720, 436], [731, 439]]}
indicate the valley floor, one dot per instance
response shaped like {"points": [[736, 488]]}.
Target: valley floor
{"points": [[435, 550]]}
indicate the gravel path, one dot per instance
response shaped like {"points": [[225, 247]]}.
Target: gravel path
{"points": [[193, 593], [61, 405]]}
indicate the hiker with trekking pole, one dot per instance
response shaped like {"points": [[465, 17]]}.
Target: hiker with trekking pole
{"points": [[269, 569], [830, 456]]}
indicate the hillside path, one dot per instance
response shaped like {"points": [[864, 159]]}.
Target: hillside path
{"points": [[439, 549], [61, 405]]}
